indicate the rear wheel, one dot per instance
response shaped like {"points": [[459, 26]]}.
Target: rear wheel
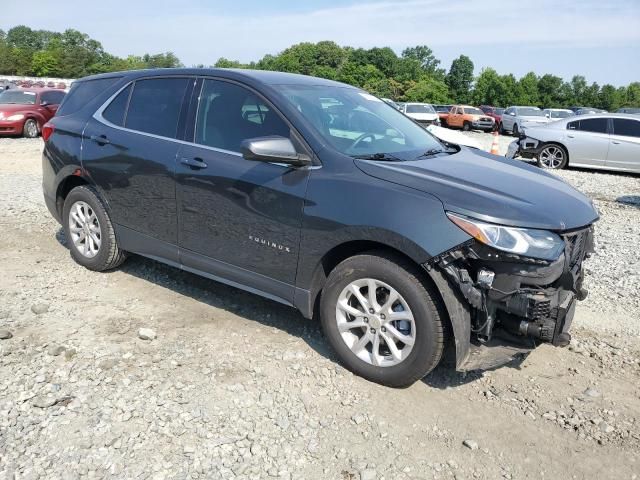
{"points": [[553, 157], [89, 231], [30, 129], [381, 319]]}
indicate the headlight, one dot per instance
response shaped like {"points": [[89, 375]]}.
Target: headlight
{"points": [[13, 118], [529, 242]]}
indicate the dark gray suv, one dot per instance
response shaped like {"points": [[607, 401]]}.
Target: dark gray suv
{"points": [[320, 196]]}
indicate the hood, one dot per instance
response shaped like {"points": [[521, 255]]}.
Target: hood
{"points": [[534, 119], [11, 108], [491, 188], [423, 116]]}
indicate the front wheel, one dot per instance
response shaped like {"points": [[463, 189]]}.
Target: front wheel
{"points": [[515, 130], [501, 129], [466, 127], [89, 231], [30, 129], [382, 319], [553, 157]]}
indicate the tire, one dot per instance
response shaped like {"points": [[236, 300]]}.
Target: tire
{"points": [[30, 128], [466, 127], [416, 301], [108, 254], [515, 130], [553, 157], [501, 129]]}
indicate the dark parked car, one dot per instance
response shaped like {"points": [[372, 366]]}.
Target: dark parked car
{"points": [[493, 112], [320, 196], [635, 111], [25, 111]]}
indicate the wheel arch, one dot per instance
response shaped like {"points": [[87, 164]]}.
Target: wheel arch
{"points": [[65, 186], [454, 318]]}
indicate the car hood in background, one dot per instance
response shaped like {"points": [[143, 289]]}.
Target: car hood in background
{"points": [[534, 119], [491, 188], [423, 116], [9, 108], [452, 136]]}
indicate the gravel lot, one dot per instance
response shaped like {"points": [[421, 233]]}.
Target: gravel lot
{"points": [[229, 385]]}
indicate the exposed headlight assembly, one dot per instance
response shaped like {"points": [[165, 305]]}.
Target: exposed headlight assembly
{"points": [[13, 118], [528, 242]]}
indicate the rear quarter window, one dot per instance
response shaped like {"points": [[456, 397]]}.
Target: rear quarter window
{"points": [[83, 92]]}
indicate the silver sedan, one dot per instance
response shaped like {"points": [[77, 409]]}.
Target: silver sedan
{"points": [[604, 141]]}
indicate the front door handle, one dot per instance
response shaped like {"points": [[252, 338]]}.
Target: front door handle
{"points": [[195, 163], [99, 139]]}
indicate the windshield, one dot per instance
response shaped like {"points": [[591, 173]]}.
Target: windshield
{"points": [[529, 112], [18, 97], [420, 108], [358, 124], [473, 111], [560, 114]]}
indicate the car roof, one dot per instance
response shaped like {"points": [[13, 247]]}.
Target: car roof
{"points": [[559, 109], [40, 89], [261, 76], [418, 103]]}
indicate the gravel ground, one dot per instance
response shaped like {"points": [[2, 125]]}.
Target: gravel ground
{"points": [[150, 372]]}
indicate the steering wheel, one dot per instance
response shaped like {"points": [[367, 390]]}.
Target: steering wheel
{"points": [[360, 139]]}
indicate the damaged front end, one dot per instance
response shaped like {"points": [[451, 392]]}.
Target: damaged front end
{"points": [[520, 300]]}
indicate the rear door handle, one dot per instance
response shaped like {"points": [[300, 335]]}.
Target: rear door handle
{"points": [[570, 136], [99, 139], [615, 143], [195, 163]]}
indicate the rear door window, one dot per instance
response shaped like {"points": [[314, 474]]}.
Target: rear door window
{"points": [[83, 92], [626, 127], [116, 110], [229, 113], [155, 105]]}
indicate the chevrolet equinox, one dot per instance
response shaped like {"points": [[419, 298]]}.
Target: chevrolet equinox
{"points": [[320, 196]]}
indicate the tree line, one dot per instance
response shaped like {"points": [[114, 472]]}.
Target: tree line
{"points": [[68, 54], [414, 75]]}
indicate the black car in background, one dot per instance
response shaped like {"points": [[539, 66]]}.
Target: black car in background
{"points": [[320, 196]]}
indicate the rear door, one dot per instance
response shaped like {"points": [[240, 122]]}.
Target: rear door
{"points": [[624, 149], [239, 219], [129, 151], [587, 141]]}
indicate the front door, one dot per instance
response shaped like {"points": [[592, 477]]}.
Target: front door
{"points": [[587, 141], [624, 151], [129, 150], [239, 219]]}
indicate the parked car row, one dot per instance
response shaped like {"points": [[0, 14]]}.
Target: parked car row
{"points": [[7, 84]]}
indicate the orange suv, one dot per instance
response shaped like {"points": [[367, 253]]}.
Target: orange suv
{"points": [[467, 117]]}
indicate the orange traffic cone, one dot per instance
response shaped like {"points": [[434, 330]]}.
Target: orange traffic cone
{"points": [[495, 145]]}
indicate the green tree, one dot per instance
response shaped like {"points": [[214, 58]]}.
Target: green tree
{"points": [[608, 98], [429, 90], [45, 64], [550, 88], [460, 78], [426, 59], [528, 90]]}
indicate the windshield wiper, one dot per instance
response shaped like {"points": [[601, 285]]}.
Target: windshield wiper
{"points": [[434, 151], [385, 157]]}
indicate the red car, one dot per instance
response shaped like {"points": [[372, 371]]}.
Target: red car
{"points": [[24, 111], [493, 112]]}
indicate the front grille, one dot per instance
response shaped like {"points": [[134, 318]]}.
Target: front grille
{"points": [[576, 244]]}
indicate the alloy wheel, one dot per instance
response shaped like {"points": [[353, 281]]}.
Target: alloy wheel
{"points": [[552, 157], [84, 227], [375, 322]]}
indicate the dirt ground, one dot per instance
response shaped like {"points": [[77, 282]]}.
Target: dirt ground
{"points": [[236, 386]]}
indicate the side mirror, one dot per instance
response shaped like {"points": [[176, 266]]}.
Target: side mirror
{"points": [[547, 115], [273, 150], [44, 104]]}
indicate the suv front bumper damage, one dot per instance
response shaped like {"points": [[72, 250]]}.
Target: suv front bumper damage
{"points": [[509, 300]]}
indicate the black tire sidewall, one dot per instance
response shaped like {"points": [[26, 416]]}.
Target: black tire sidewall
{"points": [[466, 127], [87, 195], [427, 348]]}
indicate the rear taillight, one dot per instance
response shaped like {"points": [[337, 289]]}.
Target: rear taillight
{"points": [[47, 130]]}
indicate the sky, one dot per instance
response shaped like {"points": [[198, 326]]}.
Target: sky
{"points": [[597, 39]]}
